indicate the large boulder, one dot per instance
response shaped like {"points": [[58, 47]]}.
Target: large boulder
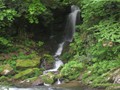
{"points": [[48, 78], [6, 69], [28, 73], [28, 63], [47, 61], [34, 81]]}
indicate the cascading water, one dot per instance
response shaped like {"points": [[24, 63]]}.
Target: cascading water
{"points": [[71, 22], [69, 31], [73, 17]]}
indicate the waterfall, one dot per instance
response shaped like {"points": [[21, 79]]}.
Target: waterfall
{"points": [[73, 17], [69, 31], [71, 22], [57, 64], [59, 50]]}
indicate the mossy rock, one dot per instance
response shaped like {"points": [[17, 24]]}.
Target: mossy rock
{"points": [[58, 76], [6, 69], [28, 73], [113, 87], [3, 78], [27, 63], [47, 61], [48, 78], [34, 81]]}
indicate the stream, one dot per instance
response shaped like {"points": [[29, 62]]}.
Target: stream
{"points": [[48, 88], [45, 88]]}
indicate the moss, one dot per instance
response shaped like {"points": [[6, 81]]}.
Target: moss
{"points": [[58, 76], [48, 58], [3, 78], [33, 79], [47, 61], [23, 73], [48, 78], [28, 73], [27, 63], [5, 69], [37, 72]]}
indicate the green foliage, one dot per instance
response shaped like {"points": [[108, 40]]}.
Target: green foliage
{"points": [[48, 78], [35, 8], [98, 73], [77, 45], [98, 35], [71, 70], [4, 43], [8, 14], [1, 69], [15, 8], [95, 10], [48, 58], [22, 55], [107, 38], [12, 63], [40, 43], [28, 43], [28, 73], [107, 30], [70, 1], [97, 40]]}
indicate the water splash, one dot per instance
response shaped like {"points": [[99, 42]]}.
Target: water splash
{"points": [[59, 50], [57, 64], [58, 81]]}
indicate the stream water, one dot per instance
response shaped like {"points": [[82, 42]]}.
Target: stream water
{"points": [[47, 88]]}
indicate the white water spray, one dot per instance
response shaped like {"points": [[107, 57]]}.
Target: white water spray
{"points": [[59, 50]]}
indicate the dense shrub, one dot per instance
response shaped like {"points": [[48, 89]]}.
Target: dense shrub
{"points": [[71, 70]]}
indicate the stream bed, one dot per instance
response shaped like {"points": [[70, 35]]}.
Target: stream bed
{"points": [[67, 86], [47, 88]]}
